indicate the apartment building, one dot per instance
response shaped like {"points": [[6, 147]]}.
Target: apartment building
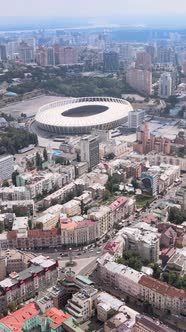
{"points": [[14, 193], [143, 239], [81, 306], [60, 194], [103, 216], [121, 208], [6, 167], [72, 208], [19, 287], [50, 217], [119, 276], [162, 296]]}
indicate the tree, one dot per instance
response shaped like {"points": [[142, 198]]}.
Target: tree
{"points": [[135, 183], [12, 306], [38, 161], [45, 154], [39, 225], [14, 175], [106, 195], [5, 183], [82, 207], [156, 271], [1, 227], [78, 157]]}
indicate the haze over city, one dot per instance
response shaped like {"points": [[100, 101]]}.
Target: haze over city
{"points": [[93, 165]]}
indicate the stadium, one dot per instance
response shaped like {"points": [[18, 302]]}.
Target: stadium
{"points": [[76, 116]]}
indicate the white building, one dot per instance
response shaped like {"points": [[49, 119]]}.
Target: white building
{"points": [[72, 208], [144, 241], [135, 118], [14, 193], [50, 217], [89, 150], [119, 276], [20, 224], [6, 167], [103, 216], [81, 306], [165, 85]]}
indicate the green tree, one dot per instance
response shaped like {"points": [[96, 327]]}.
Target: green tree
{"points": [[135, 184], [12, 306], [5, 183], [156, 271], [45, 154], [38, 161], [14, 175]]}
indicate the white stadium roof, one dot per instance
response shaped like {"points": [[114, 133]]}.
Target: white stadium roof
{"points": [[55, 115]]}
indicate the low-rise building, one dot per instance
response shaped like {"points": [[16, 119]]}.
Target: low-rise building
{"points": [[105, 304], [119, 276], [21, 286], [177, 263], [147, 324], [50, 217], [145, 241], [103, 217], [14, 193], [78, 232], [25, 319], [72, 208], [121, 208], [20, 224], [81, 306], [162, 296]]}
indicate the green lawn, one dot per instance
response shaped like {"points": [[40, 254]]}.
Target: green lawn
{"points": [[141, 201]]}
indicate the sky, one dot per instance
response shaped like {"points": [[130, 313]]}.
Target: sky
{"points": [[79, 8]]}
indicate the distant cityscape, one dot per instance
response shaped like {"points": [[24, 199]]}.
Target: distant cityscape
{"points": [[92, 178]]}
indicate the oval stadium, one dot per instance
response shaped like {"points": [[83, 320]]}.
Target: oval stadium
{"points": [[76, 116]]}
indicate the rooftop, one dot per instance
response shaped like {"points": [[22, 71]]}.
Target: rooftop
{"points": [[57, 316], [118, 202], [15, 321], [84, 280], [161, 287]]}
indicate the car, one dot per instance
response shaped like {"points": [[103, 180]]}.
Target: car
{"points": [[98, 252], [79, 253]]}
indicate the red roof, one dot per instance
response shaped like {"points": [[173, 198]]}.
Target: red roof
{"points": [[162, 287], [40, 233], [111, 246], [118, 202], [57, 316], [15, 320], [11, 235]]}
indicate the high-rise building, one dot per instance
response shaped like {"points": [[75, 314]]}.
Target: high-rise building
{"points": [[126, 52], [143, 60], [110, 62], [3, 55], [151, 50], [12, 48], [68, 55], [26, 52], [135, 118], [165, 55], [6, 167], [42, 56], [165, 85], [57, 50], [50, 56], [140, 80], [89, 150], [184, 67]]}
